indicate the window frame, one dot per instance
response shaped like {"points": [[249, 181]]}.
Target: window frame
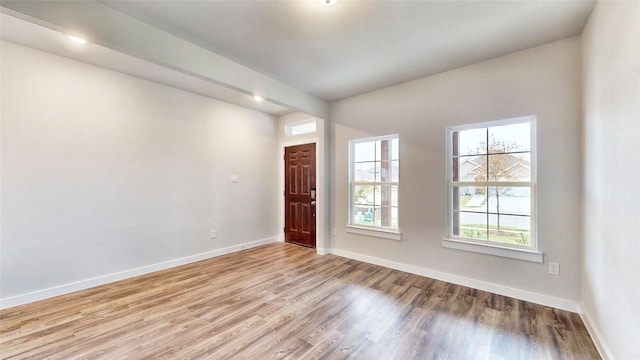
{"points": [[371, 230], [290, 128], [521, 252]]}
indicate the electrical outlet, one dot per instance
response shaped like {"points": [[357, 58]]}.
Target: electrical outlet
{"points": [[334, 232], [213, 234], [554, 268]]}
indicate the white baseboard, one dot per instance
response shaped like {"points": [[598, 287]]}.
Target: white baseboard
{"points": [[465, 281], [105, 279], [596, 335]]}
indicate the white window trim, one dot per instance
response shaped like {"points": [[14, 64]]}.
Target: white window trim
{"points": [[526, 253], [493, 249], [289, 127], [391, 234], [385, 233]]}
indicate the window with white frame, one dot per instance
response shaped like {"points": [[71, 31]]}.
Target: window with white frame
{"points": [[300, 127], [373, 180], [491, 183]]}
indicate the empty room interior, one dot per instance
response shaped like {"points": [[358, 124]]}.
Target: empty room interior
{"points": [[324, 179]]}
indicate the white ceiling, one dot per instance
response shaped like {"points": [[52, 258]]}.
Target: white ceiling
{"points": [[358, 46], [297, 54], [39, 37]]}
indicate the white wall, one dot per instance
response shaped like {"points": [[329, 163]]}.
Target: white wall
{"points": [[543, 81], [103, 173], [611, 254]]}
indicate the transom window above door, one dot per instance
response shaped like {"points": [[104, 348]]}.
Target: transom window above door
{"points": [[300, 128]]}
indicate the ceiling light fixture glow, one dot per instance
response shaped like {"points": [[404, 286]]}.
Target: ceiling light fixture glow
{"points": [[257, 98], [77, 40], [327, 2]]}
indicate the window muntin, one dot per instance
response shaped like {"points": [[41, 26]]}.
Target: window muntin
{"points": [[373, 181], [490, 180]]}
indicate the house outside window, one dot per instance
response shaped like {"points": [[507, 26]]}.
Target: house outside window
{"points": [[491, 183], [373, 184]]}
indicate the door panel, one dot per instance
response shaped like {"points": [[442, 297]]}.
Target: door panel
{"points": [[300, 209]]}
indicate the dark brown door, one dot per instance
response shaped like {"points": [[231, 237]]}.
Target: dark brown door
{"points": [[299, 194]]}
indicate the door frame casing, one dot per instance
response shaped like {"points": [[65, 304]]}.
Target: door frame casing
{"points": [[321, 192]]}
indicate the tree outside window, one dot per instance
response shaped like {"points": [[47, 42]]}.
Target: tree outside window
{"points": [[490, 183]]}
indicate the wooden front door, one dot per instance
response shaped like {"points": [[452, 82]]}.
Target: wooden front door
{"points": [[299, 194]]}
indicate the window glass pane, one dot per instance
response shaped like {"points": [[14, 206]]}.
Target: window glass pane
{"points": [[303, 128], [510, 200], [377, 172], [394, 196], [364, 151], [471, 225], [385, 170], [376, 216], [522, 170], [470, 206], [394, 217], [471, 142], [365, 171], [470, 198], [455, 196], [384, 195], [363, 195], [363, 215], [395, 170], [506, 167], [470, 168], [300, 128], [395, 149], [514, 230], [509, 138], [387, 217]]}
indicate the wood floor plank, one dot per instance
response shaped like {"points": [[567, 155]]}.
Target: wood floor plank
{"points": [[282, 301]]}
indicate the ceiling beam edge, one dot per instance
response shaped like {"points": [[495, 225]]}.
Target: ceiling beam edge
{"points": [[107, 27]]}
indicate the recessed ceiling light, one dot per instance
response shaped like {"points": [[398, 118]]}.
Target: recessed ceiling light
{"points": [[76, 39], [327, 2], [257, 98]]}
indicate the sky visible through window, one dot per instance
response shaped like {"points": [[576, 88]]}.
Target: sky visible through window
{"points": [[470, 140], [370, 151]]}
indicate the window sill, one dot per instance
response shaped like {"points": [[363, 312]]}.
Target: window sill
{"points": [[496, 250], [381, 233]]}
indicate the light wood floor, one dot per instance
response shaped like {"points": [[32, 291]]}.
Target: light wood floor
{"points": [[284, 301]]}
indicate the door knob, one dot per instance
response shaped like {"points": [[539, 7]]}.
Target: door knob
{"points": [[313, 202]]}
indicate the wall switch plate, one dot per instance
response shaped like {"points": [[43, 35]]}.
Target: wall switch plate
{"points": [[234, 178], [213, 234], [554, 268]]}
